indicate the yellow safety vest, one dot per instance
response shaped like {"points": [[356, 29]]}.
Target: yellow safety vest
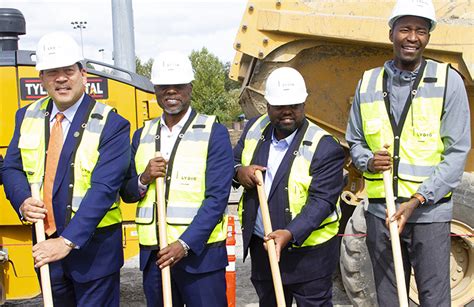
{"points": [[299, 179], [185, 181], [415, 143], [32, 147]]}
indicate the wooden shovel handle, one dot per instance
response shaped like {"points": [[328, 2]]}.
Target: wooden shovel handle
{"points": [[271, 249], [395, 240], [162, 236], [40, 237]]}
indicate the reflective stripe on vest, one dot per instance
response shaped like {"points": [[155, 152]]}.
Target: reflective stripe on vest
{"points": [[299, 179], [254, 134], [187, 182], [420, 146], [32, 148], [87, 155]]}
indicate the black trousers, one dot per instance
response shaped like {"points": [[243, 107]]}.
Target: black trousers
{"points": [[311, 293]]}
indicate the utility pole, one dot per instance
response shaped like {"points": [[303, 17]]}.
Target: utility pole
{"points": [[124, 38], [80, 25]]}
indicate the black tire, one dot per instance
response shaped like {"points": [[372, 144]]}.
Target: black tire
{"points": [[463, 199], [356, 268]]}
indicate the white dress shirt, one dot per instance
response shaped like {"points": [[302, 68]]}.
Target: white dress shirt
{"points": [[168, 137]]}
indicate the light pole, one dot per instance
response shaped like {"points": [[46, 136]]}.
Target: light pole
{"points": [[80, 25]]}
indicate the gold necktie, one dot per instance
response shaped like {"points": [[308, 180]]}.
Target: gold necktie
{"points": [[54, 150]]}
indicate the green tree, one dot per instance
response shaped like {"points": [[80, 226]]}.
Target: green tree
{"points": [[213, 92], [229, 84], [143, 68], [209, 87]]}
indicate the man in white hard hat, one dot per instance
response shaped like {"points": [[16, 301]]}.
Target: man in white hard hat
{"points": [[57, 143], [196, 163], [418, 109], [302, 167]]}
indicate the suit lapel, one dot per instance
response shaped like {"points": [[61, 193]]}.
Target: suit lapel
{"points": [[287, 161], [70, 143], [261, 156]]}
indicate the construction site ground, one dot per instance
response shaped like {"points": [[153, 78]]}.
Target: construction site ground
{"points": [[132, 292]]}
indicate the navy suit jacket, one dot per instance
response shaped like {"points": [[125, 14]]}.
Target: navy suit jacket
{"points": [[100, 252], [1, 169], [296, 264], [219, 172]]}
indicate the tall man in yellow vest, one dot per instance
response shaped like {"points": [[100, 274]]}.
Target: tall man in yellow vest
{"points": [[197, 167], [85, 163], [303, 181], [419, 108]]}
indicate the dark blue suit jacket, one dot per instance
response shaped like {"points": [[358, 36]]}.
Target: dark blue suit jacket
{"points": [[219, 172], [296, 264], [1, 169], [100, 252]]}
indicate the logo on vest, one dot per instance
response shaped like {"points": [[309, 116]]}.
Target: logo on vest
{"points": [[188, 181]]}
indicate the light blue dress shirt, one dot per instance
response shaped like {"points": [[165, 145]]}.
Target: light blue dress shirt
{"points": [[68, 116], [278, 149]]}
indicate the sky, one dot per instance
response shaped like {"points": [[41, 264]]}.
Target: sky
{"points": [[181, 25]]}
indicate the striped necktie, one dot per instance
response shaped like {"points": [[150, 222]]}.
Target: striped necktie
{"points": [[54, 150]]}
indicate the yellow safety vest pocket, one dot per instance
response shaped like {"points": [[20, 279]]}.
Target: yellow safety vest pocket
{"points": [[27, 141], [188, 175], [373, 126], [30, 146]]}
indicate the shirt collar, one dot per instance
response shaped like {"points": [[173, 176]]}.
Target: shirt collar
{"points": [[69, 112], [403, 74], [181, 123]]}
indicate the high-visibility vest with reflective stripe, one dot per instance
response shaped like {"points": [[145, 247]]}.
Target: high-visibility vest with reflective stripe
{"points": [[417, 148], [32, 148], [187, 182], [299, 179]]}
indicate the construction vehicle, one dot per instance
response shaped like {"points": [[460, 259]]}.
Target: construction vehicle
{"points": [[130, 94], [332, 43]]}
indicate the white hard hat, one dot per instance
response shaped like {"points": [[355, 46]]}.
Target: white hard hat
{"points": [[285, 86], [56, 50], [171, 68], [419, 8]]}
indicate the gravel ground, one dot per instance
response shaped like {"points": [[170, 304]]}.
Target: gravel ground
{"points": [[132, 295], [131, 290]]}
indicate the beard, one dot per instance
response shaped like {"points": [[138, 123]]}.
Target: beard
{"points": [[286, 130]]}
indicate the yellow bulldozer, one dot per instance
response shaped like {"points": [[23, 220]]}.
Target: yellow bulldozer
{"points": [[332, 43], [130, 94]]}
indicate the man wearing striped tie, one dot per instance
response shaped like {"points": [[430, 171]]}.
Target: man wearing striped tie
{"points": [[78, 149]]}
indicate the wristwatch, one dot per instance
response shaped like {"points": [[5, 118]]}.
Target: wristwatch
{"points": [[185, 247], [69, 243], [236, 169], [420, 198]]}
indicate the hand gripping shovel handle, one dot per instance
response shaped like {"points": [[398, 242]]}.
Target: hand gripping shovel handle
{"points": [[40, 237], [395, 239], [271, 249], [162, 236]]}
